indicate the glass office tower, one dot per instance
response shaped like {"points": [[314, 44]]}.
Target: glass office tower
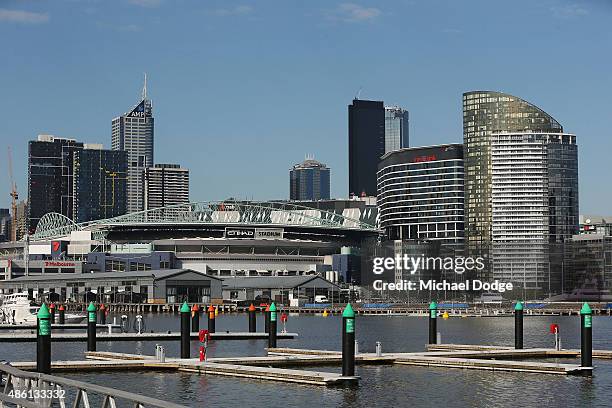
{"points": [[50, 184], [366, 145], [309, 180], [100, 179], [485, 112], [396, 128], [133, 132]]}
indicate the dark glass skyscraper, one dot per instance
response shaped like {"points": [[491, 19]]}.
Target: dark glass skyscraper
{"points": [[50, 187], [100, 179], [366, 129], [309, 180], [485, 112], [133, 132], [80, 181]]}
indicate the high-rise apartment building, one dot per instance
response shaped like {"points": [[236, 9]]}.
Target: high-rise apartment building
{"points": [[80, 181], [420, 203], [100, 179], [396, 128], [134, 132], [166, 184], [21, 219], [309, 180], [5, 224], [420, 194], [486, 112], [366, 128], [534, 206], [50, 171]]}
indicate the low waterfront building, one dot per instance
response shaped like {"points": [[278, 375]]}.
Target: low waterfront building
{"points": [[595, 224], [587, 267], [130, 261], [154, 286], [15, 268], [287, 290]]}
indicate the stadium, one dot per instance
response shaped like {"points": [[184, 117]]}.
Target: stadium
{"points": [[224, 238]]}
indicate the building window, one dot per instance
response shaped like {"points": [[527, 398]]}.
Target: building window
{"points": [[114, 266]]}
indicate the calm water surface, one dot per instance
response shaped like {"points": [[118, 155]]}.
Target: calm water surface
{"points": [[388, 386]]}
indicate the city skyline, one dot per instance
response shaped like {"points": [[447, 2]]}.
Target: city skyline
{"points": [[205, 98]]}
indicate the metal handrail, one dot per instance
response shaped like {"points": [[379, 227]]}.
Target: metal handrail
{"points": [[110, 395]]}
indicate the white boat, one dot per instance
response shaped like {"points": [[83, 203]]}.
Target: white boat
{"points": [[17, 309], [489, 298]]}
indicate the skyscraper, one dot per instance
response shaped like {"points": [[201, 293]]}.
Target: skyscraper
{"points": [[309, 180], [485, 112], [50, 186], [166, 184], [5, 224], [420, 202], [420, 194], [81, 181], [396, 128], [100, 179], [534, 194], [134, 132], [366, 128]]}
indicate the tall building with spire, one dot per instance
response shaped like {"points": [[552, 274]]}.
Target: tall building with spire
{"points": [[133, 132]]}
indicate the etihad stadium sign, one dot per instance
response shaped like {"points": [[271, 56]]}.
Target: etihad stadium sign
{"points": [[254, 233]]}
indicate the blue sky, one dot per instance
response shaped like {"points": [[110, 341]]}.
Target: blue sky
{"points": [[243, 89]]}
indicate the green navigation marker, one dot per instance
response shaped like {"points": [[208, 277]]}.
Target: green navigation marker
{"points": [[586, 336], [433, 310], [44, 323], [348, 341], [586, 309], [588, 315], [519, 305], [272, 312], [349, 315], [185, 308], [348, 311], [43, 340], [91, 309]]}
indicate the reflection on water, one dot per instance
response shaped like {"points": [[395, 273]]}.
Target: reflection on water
{"points": [[389, 386]]}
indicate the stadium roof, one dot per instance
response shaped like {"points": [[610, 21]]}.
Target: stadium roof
{"points": [[232, 213]]}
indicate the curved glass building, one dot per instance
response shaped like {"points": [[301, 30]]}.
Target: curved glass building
{"points": [[486, 113]]}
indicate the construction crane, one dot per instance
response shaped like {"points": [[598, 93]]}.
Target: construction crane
{"points": [[14, 197]]}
